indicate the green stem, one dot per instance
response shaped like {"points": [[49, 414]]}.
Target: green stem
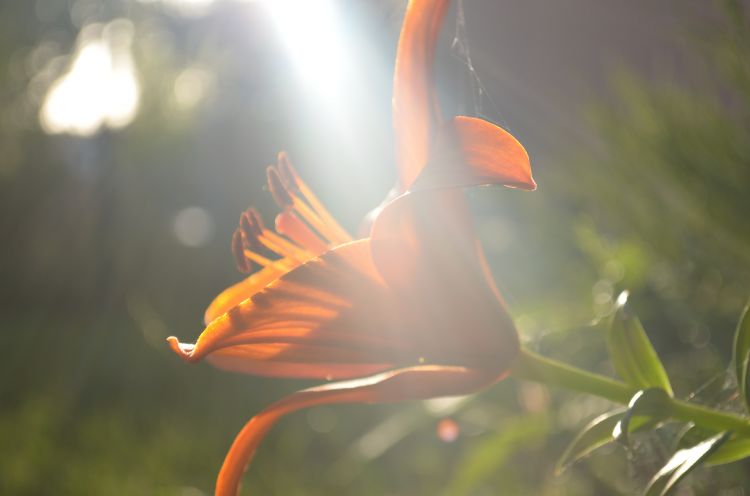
{"points": [[531, 366], [709, 418], [537, 368]]}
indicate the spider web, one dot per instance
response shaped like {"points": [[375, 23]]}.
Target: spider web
{"points": [[481, 102]]}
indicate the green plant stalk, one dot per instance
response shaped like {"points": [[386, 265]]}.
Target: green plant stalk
{"points": [[530, 366]]}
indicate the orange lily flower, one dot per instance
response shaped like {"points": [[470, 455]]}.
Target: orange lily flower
{"points": [[413, 303]]}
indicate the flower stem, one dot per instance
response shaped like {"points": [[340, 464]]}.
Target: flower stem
{"points": [[709, 418], [531, 366], [537, 368]]}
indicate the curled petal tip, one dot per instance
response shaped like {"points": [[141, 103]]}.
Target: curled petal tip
{"points": [[183, 350], [472, 152], [528, 185], [524, 180]]}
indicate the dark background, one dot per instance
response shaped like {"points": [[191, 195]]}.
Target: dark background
{"points": [[635, 115]]}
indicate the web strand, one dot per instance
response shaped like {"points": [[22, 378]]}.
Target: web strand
{"points": [[478, 92]]}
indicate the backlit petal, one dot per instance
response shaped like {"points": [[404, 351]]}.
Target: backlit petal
{"points": [[413, 383], [235, 294], [471, 152], [329, 318], [415, 114], [424, 247]]}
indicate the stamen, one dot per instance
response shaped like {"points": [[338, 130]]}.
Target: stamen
{"points": [[311, 217], [278, 190], [324, 222], [291, 226], [304, 220], [251, 226], [284, 247], [256, 222], [238, 250], [259, 259], [260, 237], [288, 175], [246, 244]]}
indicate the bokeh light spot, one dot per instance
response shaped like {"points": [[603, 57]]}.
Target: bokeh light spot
{"points": [[100, 88], [534, 398], [191, 87], [448, 430], [193, 226]]}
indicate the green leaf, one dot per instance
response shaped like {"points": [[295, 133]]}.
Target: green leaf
{"points": [[681, 463], [597, 433], [742, 354], [690, 435], [733, 450], [632, 354], [654, 404]]}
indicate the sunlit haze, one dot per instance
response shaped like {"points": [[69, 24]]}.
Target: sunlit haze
{"points": [[310, 31], [210, 224]]}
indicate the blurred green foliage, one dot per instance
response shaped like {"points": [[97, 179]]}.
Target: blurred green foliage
{"points": [[93, 278]]}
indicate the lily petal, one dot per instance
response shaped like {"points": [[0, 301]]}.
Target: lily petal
{"points": [[421, 382], [235, 294], [335, 318], [415, 113], [425, 248], [471, 152], [329, 318]]}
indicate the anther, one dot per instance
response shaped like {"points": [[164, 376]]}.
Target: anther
{"points": [[250, 230], [257, 221], [307, 204], [278, 190], [238, 250], [287, 173]]}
